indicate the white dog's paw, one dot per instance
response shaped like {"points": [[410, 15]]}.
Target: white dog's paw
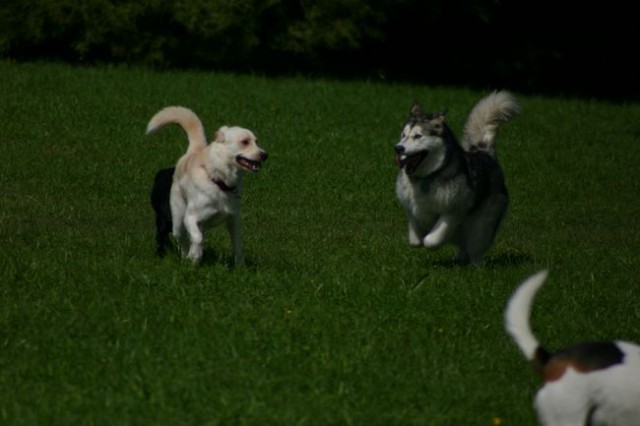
{"points": [[195, 253], [184, 246], [432, 241]]}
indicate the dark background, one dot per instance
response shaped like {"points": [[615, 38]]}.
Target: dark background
{"points": [[534, 47]]}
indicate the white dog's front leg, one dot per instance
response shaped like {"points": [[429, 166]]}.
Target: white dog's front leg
{"points": [[441, 232], [235, 232], [180, 237], [178, 210], [195, 235]]}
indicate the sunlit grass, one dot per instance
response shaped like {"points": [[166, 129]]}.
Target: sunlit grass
{"points": [[336, 320]]}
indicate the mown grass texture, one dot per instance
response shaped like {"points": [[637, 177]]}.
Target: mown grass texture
{"points": [[335, 320]]}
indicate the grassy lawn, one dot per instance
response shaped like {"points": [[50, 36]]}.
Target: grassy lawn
{"points": [[335, 320]]}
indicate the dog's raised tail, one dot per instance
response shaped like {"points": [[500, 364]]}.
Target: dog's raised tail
{"points": [[485, 118], [184, 117], [518, 313]]}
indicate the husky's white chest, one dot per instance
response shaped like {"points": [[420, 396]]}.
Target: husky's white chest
{"points": [[427, 197]]}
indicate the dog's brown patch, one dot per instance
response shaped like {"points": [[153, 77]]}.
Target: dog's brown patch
{"points": [[582, 358]]}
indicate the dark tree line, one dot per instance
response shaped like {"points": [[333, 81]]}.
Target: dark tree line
{"points": [[530, 46]]}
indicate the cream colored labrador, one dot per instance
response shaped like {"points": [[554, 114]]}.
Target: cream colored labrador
{"points": [[207, 181]]}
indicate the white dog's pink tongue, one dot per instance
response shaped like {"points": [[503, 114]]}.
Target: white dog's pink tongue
{"points": [[249, 165]]}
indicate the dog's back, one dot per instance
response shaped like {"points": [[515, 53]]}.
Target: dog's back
{"points": [[592, 383], [484, 172]]}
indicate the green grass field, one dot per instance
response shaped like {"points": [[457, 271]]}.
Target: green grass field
{"points": [[335, 320]]}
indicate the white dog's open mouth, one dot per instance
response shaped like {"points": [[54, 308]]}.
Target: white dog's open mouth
{"points": [[411, 162], [251, 165]]}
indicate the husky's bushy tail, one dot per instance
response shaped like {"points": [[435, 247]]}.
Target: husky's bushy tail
{"points": [[517, 314], [187, 119], [485, 118]]}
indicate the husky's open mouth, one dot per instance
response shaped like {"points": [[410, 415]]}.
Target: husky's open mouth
{"points": [[411, 162], [250, 165]]}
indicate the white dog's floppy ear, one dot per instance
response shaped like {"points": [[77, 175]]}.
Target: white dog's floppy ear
{"points": [[220, 134]]}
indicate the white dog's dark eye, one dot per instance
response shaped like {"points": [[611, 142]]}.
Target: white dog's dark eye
{"points": [[245, 142]]}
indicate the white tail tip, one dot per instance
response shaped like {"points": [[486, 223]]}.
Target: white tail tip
{"points": [[518, 312]]}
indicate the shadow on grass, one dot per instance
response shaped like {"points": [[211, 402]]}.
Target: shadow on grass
{"points": [[210, 257], [508, 259], [498, 261]]}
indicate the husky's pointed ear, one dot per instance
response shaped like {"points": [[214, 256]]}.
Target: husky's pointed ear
{"points": [[416, 109], [437, 121], [441, 113], [219, 135]]}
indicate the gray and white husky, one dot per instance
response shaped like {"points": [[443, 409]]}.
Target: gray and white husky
{"points": [[454, 193]]}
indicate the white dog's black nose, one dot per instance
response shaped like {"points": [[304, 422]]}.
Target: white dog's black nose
{"points": [[399, 149], [263, 156]]}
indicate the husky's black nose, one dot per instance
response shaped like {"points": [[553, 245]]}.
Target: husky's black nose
{"points": [[264, 156], [399, 149]]}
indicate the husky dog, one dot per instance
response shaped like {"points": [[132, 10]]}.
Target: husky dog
{"points": [[454, 193], [207, 180], [593, 383]]}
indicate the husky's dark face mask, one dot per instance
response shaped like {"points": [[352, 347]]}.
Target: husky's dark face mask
{"points": [[422, 145]]}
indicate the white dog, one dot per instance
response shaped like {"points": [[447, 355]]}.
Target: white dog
{"points": [[208, 180], [589, 384]]}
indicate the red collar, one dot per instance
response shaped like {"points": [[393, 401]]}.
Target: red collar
{"points": [[223, 185]]}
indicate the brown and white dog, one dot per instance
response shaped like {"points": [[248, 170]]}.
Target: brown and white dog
{"points": [[207, 181], [589, 384]]}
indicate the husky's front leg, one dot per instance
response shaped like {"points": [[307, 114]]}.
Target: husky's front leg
{"points": [[235, 233], [441, 233], [418, 227], [415, 233]]}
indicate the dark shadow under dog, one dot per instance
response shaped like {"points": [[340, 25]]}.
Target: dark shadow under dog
{"points": [[160, 195], [499, 260]]}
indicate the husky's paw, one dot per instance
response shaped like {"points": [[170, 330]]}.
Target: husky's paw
{"points": [[432, 241], [414, 241]]}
